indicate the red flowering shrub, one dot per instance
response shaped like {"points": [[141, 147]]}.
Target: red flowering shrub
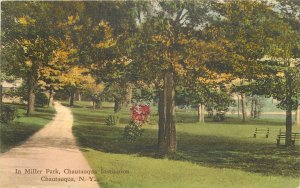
{"points": [[139, 116], [140, 113]]}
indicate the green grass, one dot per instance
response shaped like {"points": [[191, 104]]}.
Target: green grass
{"points": [[144, 172], [211, 155], [23, 127]]}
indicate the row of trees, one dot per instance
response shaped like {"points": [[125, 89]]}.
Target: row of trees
{"points": [[201, 50]]}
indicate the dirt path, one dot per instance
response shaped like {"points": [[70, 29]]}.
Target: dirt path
{"points": [[50, 153]]}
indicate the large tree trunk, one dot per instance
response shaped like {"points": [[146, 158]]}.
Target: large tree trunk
{"points": [[72, 96], [50, 100], [162, 143], [168, 113], [244, 110], [31, 98], [32, 77], [288, 121], [297, 116], [201, 113]]}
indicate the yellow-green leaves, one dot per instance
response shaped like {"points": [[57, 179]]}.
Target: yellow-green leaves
{"points": [[108, 40], [25, 20]]}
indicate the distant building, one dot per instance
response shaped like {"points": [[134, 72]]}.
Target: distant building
{"points": [[8, 86]]}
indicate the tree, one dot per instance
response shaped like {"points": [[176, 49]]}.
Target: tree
{"points": [[289, 11], [205, 90], [31, 37], [94, 91], [256, 106], [109, 57], [75, 79], [284, 49], [246, 25], [25, 48], [170, 45]]}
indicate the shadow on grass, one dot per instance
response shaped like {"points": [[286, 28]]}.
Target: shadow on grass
{"points": [[22, 128], [207, 150], [224, 152], [46, 110], [102, 107]]}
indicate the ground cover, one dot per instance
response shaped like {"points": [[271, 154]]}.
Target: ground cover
{"points": [[216, 154], [23, 127]]}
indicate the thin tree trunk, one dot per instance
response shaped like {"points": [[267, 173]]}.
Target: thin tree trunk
{"points": [[117, 106], [238, 101], [255, 115], [128, 95], [72, 96], [1, 88], [297, 116], [50, 101], [244, 111], [79, 96], [252, 107], [288, 121], [98, 104], [200, 113]]}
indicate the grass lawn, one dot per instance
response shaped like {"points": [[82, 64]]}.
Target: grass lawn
{"points": [[211, 155], [23, 127]]}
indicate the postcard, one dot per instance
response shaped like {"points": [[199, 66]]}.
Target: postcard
{"points": [[150, 94]]}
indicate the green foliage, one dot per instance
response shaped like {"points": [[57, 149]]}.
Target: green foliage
{"points": [[257, 103], [145, 94], [41, 99], [220, 116], [23, 127], [112, 120], [219, 102], [132, 131], [224, 150], [8, 113], [279, 83]]}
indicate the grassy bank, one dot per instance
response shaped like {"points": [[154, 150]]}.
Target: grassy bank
{"points": [[211, 155], [23, 127]]}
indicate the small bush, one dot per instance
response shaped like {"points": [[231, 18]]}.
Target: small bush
{"points": [[112, 120], [139, 117], [132, 131], [220, 116], [41, 99], [9, 113]]}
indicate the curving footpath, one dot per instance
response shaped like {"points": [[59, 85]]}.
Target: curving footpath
{"points": [[50, 158]]}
